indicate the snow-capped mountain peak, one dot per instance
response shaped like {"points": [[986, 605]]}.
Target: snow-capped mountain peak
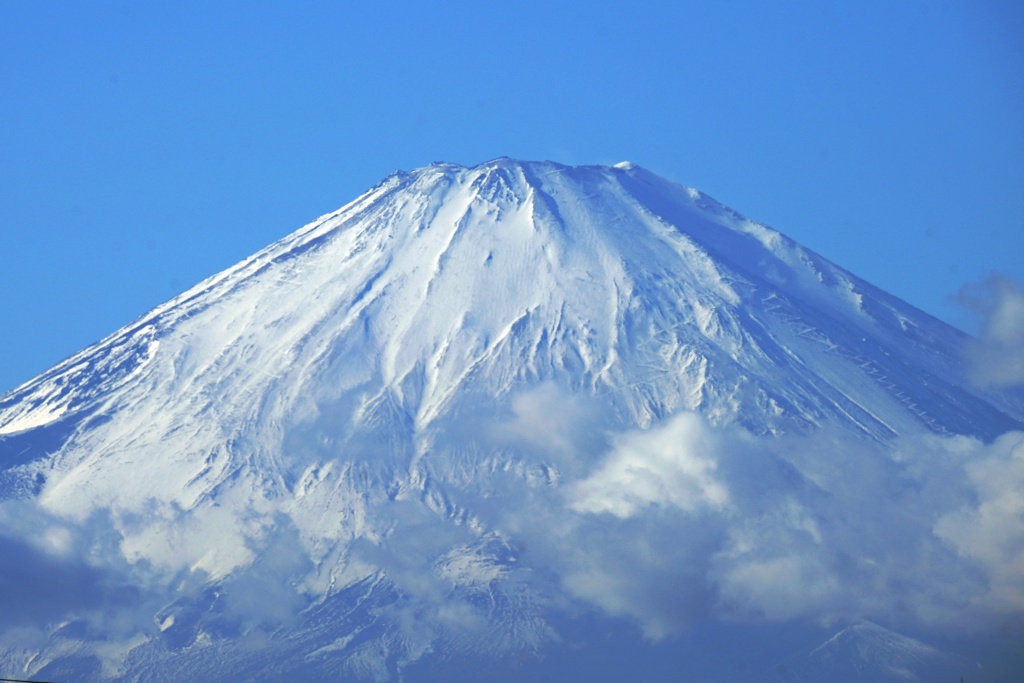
{"points": [[451, 346]]}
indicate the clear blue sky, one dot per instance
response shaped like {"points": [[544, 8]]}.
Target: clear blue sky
{"points": [[145, 146]]}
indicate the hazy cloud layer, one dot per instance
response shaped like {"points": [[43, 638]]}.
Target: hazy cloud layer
{"points": [[39, 587], [552, 507], [684, 521]]}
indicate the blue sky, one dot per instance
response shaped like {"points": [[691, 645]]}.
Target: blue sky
{"points": [[145, 146]]}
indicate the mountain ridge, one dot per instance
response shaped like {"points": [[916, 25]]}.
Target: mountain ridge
{"points": [[316, 231]]}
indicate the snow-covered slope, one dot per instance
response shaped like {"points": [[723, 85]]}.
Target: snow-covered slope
{"points": [[867, 652], [347, 424]]}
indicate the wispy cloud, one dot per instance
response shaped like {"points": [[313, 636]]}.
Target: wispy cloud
{"points": [[996, 358]]}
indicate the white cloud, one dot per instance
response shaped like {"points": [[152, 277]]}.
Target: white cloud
{"points": [[684, 521], [547, 421], [781, 587], [990, 531], [670, 465], [996, 358]]}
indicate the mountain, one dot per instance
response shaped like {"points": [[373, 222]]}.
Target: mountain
{"points": [[868, 652], [477, 410]]}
